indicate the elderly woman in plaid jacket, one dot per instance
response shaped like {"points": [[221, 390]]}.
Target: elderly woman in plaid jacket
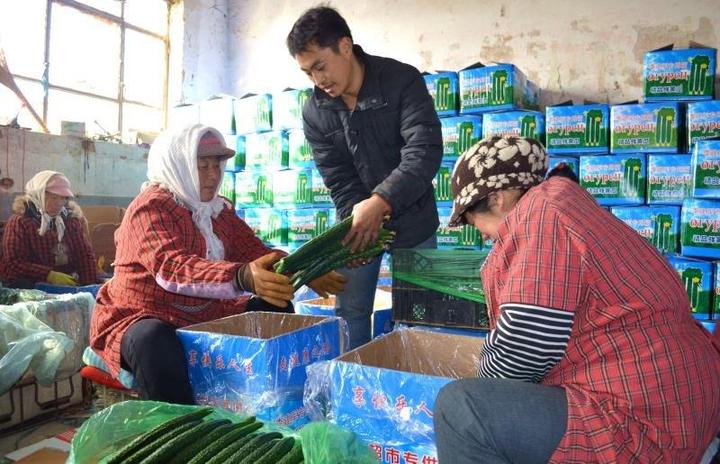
{"points": [[45, 240], [593, 354], [183, 257]]}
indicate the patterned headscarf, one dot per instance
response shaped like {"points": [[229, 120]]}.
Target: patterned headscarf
{"points": [[492, 164]]}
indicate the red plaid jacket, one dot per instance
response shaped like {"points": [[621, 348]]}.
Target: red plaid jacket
{"points": [[642, 377], [160, 271], [28, 256]]}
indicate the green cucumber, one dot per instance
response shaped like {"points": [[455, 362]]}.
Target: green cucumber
{"points": [[238, 432], [153, 446], [259, 452], [194, 448], [280, 449], [180, 441], [295, 456]]}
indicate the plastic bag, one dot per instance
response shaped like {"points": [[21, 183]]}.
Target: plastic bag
{"points": [[25, 341], [326, 443], [112, 428]]}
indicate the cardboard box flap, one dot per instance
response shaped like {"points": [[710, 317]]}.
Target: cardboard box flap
{"points": [[262, 325], [664, 48], [591, 102], [474, 66], [565, 103], [691, 44], [421, 352], [629, 102]]}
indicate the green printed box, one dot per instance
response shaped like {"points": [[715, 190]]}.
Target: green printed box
{"points": [[456, 237], [269, 224], [267, 151], [706, 169], [459, 133], [300, 152], [253, 113], [649, 128], [443, 88], [287, 107], [703, 121], [700, 229], [696, 277], [237, 162], [253, 188], [572, 162], [577, 129], [218, 112], [659, 225], [519, 123], [227, 186], [687, 74], [669, 179], [495, 88], [304, 224], [614, 179], [443, 189], [320, 193], [292, 187]]}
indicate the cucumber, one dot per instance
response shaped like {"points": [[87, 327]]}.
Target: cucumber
{"points": [[156, 432], [280, 449], [180, 441], [151, 447], [240, 454], [226, 454], [259, 452], [295, 456], [239, 430], [194, 448]]}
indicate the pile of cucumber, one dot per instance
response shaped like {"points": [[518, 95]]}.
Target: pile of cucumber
{"points": [[190, 439]]}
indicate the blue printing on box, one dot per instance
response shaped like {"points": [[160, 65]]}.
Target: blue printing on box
{"points": [[456, 142], [519, 123], [703, 119], [707, 214], [682, 264], [451, 80], [677, 62], [642, 219], [236, 367], [320, 193], [645, 116], [669, 171], [562, 119], [706, 156], [612, 165]]}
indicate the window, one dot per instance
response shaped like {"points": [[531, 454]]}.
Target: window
{"points": [[102, 62]]}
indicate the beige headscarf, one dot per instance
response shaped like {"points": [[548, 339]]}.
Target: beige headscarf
{"points": [[172, 164], [35, 193]]}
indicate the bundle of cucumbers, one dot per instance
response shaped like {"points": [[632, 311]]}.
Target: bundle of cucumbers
{"points": [[326, 253], [190, 439]]}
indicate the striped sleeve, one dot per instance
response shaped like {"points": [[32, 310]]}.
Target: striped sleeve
{"points": [[526, 343]]}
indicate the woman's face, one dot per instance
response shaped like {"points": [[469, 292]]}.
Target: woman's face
{"points": [[210, 176], [54, 203]]}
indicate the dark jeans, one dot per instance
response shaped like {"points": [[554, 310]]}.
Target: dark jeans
{"points": [[498, 421], [153, 353]]}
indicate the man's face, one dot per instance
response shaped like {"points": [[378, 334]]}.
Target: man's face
{"points": [[210, 176], [329, 70]]}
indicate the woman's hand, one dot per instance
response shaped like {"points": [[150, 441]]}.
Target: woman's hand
{"points": [[259, 278]]}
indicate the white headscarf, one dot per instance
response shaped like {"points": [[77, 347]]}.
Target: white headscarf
{"points": [[172, 164], [35, 193]]}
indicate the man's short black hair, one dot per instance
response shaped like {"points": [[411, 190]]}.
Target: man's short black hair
{"points": [[322, 26]]}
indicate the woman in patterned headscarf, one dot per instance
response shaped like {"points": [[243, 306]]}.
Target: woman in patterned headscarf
{"points": [[593, 354], [183, 257], [45, 240]]}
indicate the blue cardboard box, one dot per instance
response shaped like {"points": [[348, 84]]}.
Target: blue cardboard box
{"points": [[696, 277], [458, 134], [441, 183], [709, 326], [320, 193], [571, 161], [300, 154], [253, 188], [253, 113], [646, 128], [615, 179], [287, 108], [687, 74], [523, 123], [218, 112], [237, 162], [267, 151], [385, 391], [495, 88], [703, 121], [443, 88], [700, 233], [706, 169], [716, 291], [255, 362], [659, 225], [292, 187], [669, 179], [269, 224], [577, 129], [304, 224]]}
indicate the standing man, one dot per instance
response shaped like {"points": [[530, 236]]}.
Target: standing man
{"points": [[377, 143]]}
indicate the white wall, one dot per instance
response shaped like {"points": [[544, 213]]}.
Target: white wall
{"points": [[572, 49]]}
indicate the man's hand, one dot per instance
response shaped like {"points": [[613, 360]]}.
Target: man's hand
{"points": [[367, 218], [330, 283], [267, 284]]}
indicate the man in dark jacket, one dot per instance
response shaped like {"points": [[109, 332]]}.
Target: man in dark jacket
{"points": [[377, 143]]}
